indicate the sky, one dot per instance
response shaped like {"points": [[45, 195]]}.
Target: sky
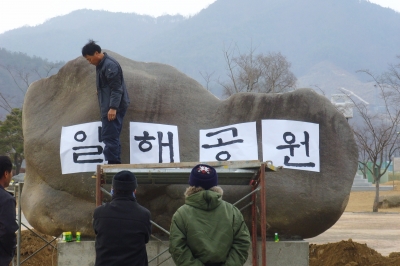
{"points": [[19, 13]]}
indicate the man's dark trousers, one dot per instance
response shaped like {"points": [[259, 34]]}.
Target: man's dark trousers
{"points": [[110, 134]]}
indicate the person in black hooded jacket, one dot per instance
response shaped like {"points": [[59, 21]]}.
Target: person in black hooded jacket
{"points": [[122, 226]]}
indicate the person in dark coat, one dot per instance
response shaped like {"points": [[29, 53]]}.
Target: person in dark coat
{"points": [[8, 225], [112, 96], [122, 226]]}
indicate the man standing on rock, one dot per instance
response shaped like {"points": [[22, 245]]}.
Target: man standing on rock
{"points": [[113, 98], [8, 225], [207, 230]]}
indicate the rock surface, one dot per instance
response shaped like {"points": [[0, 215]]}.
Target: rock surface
{"points": [[391, 201], [300, 204]]}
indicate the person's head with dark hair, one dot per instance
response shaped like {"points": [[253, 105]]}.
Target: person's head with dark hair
{"points": [[92, 52], [5, 171], [124, 183], [90, 48]]}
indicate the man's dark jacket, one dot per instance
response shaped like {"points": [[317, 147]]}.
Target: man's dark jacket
{"points": [[8, 227], [122, 229], [111, 89]]}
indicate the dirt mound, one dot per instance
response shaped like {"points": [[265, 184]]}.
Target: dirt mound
{"points": [[349, 253], [30, 243]]}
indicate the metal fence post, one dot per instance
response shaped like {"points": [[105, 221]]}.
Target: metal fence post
{"points": [[18, 192], [99, 196], [254, 225], [263, 207]]}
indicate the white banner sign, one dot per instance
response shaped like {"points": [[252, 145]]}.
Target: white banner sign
{"points": [[153, 143], [291, 144], [80, 148], [230, 143]]}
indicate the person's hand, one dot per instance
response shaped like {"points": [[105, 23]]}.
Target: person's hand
{"points": [[112, 114]]}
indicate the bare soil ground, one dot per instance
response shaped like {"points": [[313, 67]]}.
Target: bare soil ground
{"points": [[31, 243], [359, 238]]}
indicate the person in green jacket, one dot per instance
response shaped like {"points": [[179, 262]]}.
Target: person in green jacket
{"points": [[207, 230]]}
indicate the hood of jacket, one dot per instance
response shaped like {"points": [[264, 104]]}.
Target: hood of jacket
{"points": [[204, 199]]}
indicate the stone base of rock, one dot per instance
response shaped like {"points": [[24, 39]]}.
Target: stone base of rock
{"points": [[284, 253], [280, 253]]}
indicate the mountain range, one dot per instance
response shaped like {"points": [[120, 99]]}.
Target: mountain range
{"points": [[325, 41]]}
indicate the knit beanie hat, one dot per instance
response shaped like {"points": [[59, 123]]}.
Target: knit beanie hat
{"points": [[124, 180], [204, 176]]}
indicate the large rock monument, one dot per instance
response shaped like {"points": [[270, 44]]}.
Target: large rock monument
{"points": [[300, 204]]}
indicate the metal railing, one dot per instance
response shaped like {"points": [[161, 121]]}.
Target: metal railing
{"points": [[239, 171], [17, 258]]}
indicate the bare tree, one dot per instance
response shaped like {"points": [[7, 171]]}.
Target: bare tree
{"points": [[23, 77], [207, 78], [5, 103], [392, 77], [48, 68], [276, 73], [377, 136], [257, 73], [11, 137], [362, 157]]}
